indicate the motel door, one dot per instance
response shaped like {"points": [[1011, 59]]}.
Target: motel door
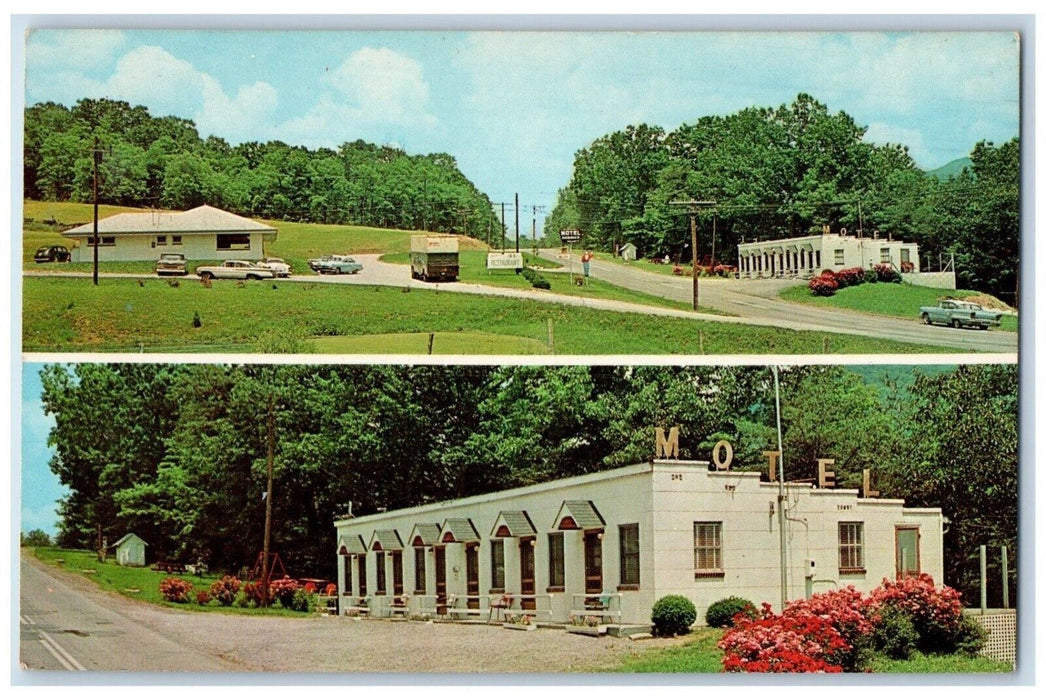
{"points": [[472, 575], [907, 549], [593, 561], [441, 580], [526, 572]]}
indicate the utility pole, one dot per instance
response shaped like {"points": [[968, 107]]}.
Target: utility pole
{"points": [[692, 206], [97, 158], [502, 227], [517, 222], [781, 500], [270, 430]]}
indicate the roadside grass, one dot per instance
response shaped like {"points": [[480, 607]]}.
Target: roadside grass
{"points": [[295, 242], [141, 583], [953, 663], [895, 300], [473, 269], [418, 344], [72, 315]]}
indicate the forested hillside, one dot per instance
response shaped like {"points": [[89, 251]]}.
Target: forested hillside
{"points": [[765, 173], [162, 162], [177, 453]]}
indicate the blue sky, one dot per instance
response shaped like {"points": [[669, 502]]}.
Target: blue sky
{"points": [[40, 488], [514, 107]]}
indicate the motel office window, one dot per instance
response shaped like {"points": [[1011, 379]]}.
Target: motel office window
{"points": [[497, 565], [851, 548], [161, 240], [379, 573], [628, 537], [884, 255], [233, 241], [708, 548], [419, 570], [840, 256], [106, 241], [176, 240], [556, 566]]}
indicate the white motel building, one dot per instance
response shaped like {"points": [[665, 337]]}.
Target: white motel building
{"points": [[806, 256], [203, 233], [610, 544]]}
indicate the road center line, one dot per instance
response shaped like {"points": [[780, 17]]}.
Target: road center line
{"points": [[64, 657]]}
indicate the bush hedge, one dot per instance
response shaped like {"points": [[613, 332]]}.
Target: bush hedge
{"points": [[721, 613], [673, 614]]}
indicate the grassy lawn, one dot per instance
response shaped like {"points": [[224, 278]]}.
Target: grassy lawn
{"points": [[698, 654], [896, 300], [139, 583], [473, 269], [418, 344], [72, 315]]}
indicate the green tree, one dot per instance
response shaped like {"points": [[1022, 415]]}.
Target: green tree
{"points": [[35, 538]]}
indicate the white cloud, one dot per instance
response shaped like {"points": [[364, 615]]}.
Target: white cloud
{"points": [[77, 50], [372, 91], [151, 76], [244, 117]]}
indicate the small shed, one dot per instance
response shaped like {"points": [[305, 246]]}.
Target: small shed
{"points": [[130, 550], [628, 251]]}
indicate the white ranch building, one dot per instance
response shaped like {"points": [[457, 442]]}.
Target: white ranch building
{"points": [[203, 233], [616, 541], [806, 256]]}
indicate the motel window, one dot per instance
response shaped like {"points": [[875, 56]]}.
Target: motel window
{"points": [[233, 241], [497, 565], [397, 573], [419, 570], [708, 548], [379, 573], [593, 561], [906, 255], [851, 548], [106, 241], [884, 255], [556, 566], [347, 570], [840, 256], [176, 240], [161, 240], [628, 536], [362, 559]]}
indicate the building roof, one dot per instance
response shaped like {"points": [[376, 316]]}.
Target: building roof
{"points": [[353, 544], [128, 537], [459, 530], [583, 513], [424, 534], [386, 541], [202, 219], [515, 522]]}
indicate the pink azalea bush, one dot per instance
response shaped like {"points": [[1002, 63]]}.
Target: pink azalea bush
{"points": [[850, 277], [283, 590], [175, 590], [225, 589], [823, 285], [831, 632]]}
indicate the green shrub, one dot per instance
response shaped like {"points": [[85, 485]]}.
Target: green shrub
{"points": [[301, 601], [871, 276], [894, 633], [970, 637], [673, 615], [721, 613]]}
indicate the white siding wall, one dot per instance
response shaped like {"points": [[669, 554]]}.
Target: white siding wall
{"points": [[194, 246], [666, 499]]}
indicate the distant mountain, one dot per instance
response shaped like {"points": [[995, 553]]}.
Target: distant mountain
{"points": [[950, 170]]}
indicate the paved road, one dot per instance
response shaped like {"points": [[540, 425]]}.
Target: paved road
{"points": [[67, 624], [756, 302], [750, 302]]}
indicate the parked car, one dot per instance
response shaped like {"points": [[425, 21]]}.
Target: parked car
{"points": [[337, 265], [52, 253], [314, 263], [171, 264], [278, 266], [957, 313], [234, 270]]}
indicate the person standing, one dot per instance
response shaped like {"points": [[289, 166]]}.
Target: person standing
{"points": [[586, 260]]}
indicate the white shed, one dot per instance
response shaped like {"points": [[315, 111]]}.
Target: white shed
{"points": [[130, 550], [628, 251]]}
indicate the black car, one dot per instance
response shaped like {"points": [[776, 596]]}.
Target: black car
{"points": [[52, 253]]}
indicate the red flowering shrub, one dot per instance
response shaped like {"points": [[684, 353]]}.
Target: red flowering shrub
{"points": [[887, 273], [283, 590], [850, 277], [827, 273], [823, 286], [225, 589], [935, 612], [253, 595], [787, 643], [203, 597], [175, 590]]}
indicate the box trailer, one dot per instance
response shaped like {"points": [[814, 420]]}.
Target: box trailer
{"points": [[434, 258]]}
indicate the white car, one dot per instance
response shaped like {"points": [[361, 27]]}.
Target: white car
{"points": [[234, 270], [278, 266]]}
